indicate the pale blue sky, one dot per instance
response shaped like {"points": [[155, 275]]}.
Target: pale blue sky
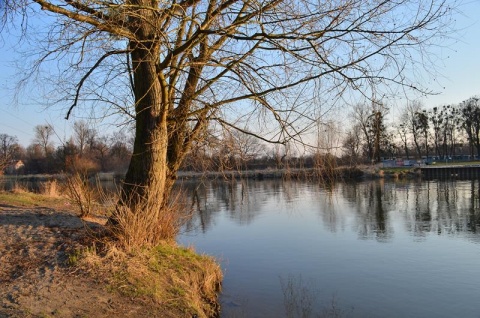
{"points": [[460, 80], [461, 69]]}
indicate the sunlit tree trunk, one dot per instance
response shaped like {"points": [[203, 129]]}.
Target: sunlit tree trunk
{"points": [[146, 178]]}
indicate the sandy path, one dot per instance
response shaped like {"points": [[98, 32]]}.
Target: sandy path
{"points": [[35, 280]]}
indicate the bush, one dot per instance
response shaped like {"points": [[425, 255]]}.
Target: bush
{"points": [[83, 194]]}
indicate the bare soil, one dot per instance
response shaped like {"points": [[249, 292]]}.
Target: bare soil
{"points": [[36, 279]]}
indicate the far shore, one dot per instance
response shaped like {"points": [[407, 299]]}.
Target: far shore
{"points": [[359, 172]]}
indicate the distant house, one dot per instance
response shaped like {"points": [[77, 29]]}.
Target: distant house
{"points": [[15, 167]]}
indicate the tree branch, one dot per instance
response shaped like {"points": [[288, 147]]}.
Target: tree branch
{"points": [[84, 78]]}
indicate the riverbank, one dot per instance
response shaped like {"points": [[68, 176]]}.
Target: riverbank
{"points": [[346, 173], [55, 264], [361, 172]]}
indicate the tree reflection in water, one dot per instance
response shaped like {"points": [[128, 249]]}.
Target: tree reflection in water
{"points": [[442, 207], [357, 239]]}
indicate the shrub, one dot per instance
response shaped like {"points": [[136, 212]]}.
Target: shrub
{"points": [[81, 193]]}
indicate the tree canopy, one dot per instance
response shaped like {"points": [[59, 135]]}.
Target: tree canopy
{"points": [[174, 67]]}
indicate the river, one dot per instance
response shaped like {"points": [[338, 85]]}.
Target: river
{"points": [[368, 249]]}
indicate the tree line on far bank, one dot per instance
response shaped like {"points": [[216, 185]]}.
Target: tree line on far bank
{"points": [[441, 133], [85, 151], [88, 152]]}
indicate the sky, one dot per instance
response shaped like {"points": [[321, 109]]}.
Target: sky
{"points": [[459, 80], [461, 69]]}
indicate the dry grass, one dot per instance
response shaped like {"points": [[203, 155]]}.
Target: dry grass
{"points": [[80, 193], [145, 224], [88, 197], [173, 279], [144, 261], [50, 188], [19, 188]]}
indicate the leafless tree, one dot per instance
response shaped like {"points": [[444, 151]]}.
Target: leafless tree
{"points": [[43, 135], [8, 149], [351, 143], [470, 122], [413, 114], [100, 151], [403, 133], [239, 149], [360, 115], [84, 136], [175, 66]]}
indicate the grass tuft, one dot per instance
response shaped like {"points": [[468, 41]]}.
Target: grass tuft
{"points": [[50, 188], [19, 188], [145, 224]]}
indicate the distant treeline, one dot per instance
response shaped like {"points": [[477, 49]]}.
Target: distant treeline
{"points": [[442, 133]]}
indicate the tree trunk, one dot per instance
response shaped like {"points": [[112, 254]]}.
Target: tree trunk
{"points": [[476, 140], [147, 174], [417, 146], [405, 145], [146, 178], [426, 144]]}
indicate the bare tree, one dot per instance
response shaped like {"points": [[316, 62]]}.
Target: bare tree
{"points": [[175, 66], [351, 143], [446, 122], [370, 120], [244, 148], [436, 119], [84, 136], [280, 154], [43, 135], [403, 131], [100, 151], [360, 116], [470, 121], [422, 122], [414, 119], [120, 151], [377, 132], [8, 149]]}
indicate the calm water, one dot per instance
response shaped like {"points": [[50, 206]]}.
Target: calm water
{"points": [[372, 249]]}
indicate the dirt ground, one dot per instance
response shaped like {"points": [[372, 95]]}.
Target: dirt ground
{"points": [[35, 279]]}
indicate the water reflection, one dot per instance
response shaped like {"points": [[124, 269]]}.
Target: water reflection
{"points": [[372, 203], [373, 244], [241, 200], [447, 207], [299, 299], [427, 207]]}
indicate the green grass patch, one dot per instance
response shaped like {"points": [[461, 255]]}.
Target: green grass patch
{"points": [[174, 279], [29, 199], [397, 169]]}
